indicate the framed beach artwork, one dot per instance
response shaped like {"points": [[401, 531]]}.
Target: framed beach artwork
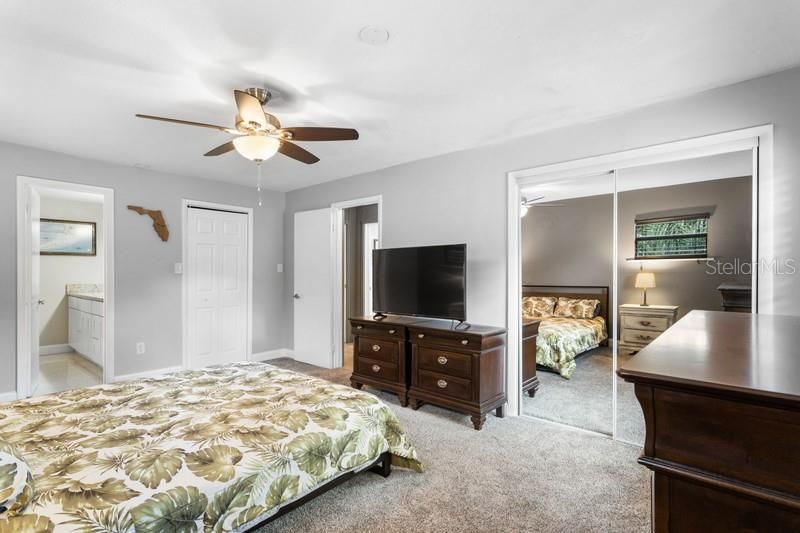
{"points": [[67, 237]]}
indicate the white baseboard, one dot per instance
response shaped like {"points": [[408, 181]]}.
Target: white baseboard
{"points": [[271, 354], [53, 349], [8, 396], [148, 373]]}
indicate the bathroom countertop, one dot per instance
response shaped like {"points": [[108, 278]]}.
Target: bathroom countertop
{"points": [[94, 296]]}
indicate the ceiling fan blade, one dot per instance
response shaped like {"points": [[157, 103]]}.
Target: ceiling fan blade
{"points": [[295, 152], [188, 123], [250, 109], [322, 134], [221, 149]]}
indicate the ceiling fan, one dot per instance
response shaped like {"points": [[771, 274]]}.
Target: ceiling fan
{"points": [[259, 134], [527, 203]]}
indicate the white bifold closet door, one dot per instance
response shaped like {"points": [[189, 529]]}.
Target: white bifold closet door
{"points": [[217, 287]]}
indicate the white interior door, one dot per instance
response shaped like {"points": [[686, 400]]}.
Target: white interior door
{"points": [[36, 297], [370, 243], [217, 287], [313, 288]]}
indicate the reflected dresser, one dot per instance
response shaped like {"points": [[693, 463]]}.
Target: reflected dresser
{"points": [[641, 324]]}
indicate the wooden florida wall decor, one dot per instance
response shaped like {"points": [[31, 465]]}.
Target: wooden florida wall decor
{"points": [[158, 220]]}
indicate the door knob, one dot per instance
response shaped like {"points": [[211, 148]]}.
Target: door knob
{"points": [[296, 296], [40, 302]]}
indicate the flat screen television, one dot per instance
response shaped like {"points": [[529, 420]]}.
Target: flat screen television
{"points": [[429, 281]]}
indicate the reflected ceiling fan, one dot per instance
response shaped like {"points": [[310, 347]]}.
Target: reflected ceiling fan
{"points": [[259, 134], [527, 203]]}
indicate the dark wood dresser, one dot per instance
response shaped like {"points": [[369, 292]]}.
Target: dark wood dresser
{"points": [[721, 399], [736, 297], [463, 370], [530, 381], [382, 354]]}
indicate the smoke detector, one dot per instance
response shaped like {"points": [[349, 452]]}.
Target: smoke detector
{"points": [[374, 35]]}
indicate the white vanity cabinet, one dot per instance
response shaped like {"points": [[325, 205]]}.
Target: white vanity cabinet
{"points": [[86, 327]]}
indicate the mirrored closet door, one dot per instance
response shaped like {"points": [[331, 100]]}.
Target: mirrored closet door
{"points": [[684, 244], [567, 269]]}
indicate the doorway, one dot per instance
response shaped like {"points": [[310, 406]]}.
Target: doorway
{"points": [[65, 292], [359, 238], [218, 273], [633, 206], [329, 273]]}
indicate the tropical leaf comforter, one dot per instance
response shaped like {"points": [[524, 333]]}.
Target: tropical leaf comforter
{"points": [[560, 340], [218, 449]]}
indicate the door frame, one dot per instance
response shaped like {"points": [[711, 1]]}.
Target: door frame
{"points": [[337, 258], [185, 205], [759, 139], [367, 248], [24, 281]]}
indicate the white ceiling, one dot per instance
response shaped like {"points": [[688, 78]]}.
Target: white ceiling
{"points": [[454, 74]]}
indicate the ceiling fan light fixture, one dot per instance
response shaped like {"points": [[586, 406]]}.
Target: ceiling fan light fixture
{"points": [[256, 147]]}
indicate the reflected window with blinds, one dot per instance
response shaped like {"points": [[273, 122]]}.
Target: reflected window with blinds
{"points": [[677, 237]]}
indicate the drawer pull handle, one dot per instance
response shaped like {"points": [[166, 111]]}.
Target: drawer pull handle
{"points": [[646, 323], [376, 347], [465, 342], [391, 332], [442, 360], [376, 368], [359, 327], [421, 335], [644, 337], [442, 384]]}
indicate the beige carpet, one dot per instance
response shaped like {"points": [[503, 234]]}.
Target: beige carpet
{"points": [[518, 474], [585, 400]]}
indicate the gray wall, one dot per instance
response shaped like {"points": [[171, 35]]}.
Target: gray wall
{"points": [[687, 283], [148, 294], [569, 245], [461, 197]]}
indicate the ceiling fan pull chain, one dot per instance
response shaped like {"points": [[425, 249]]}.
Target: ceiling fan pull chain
{"points": [[258, 183]]}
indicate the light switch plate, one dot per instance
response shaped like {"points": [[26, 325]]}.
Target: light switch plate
{"points": [[280, 268], [179, 268]]}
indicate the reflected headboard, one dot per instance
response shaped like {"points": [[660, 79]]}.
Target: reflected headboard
{"points": [[574, 291]]}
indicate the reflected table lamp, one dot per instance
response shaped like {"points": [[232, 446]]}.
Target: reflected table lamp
{"points": [[644, 281]]}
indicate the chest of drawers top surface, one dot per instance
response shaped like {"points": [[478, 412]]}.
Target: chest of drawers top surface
{"points": [[393, 327], [443, 334]]}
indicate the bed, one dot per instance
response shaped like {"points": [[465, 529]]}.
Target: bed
{"points": [[225, 448], [562, 339]]}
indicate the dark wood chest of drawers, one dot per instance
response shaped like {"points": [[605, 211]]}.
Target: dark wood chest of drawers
{"points": [[720, 393], [530, 381], [462, 370], [427, 361], [382, 354]]}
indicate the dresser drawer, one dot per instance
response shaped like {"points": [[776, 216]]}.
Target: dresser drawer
{"points": [[455, 341], [656, 323], [378, 330], [445, 385], [444, 362], [638, 336], [376, 369], [380, 349]]}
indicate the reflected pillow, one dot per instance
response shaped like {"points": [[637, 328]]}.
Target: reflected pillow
{"points": [[16, 482], [538, 306], [576, 308]]}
